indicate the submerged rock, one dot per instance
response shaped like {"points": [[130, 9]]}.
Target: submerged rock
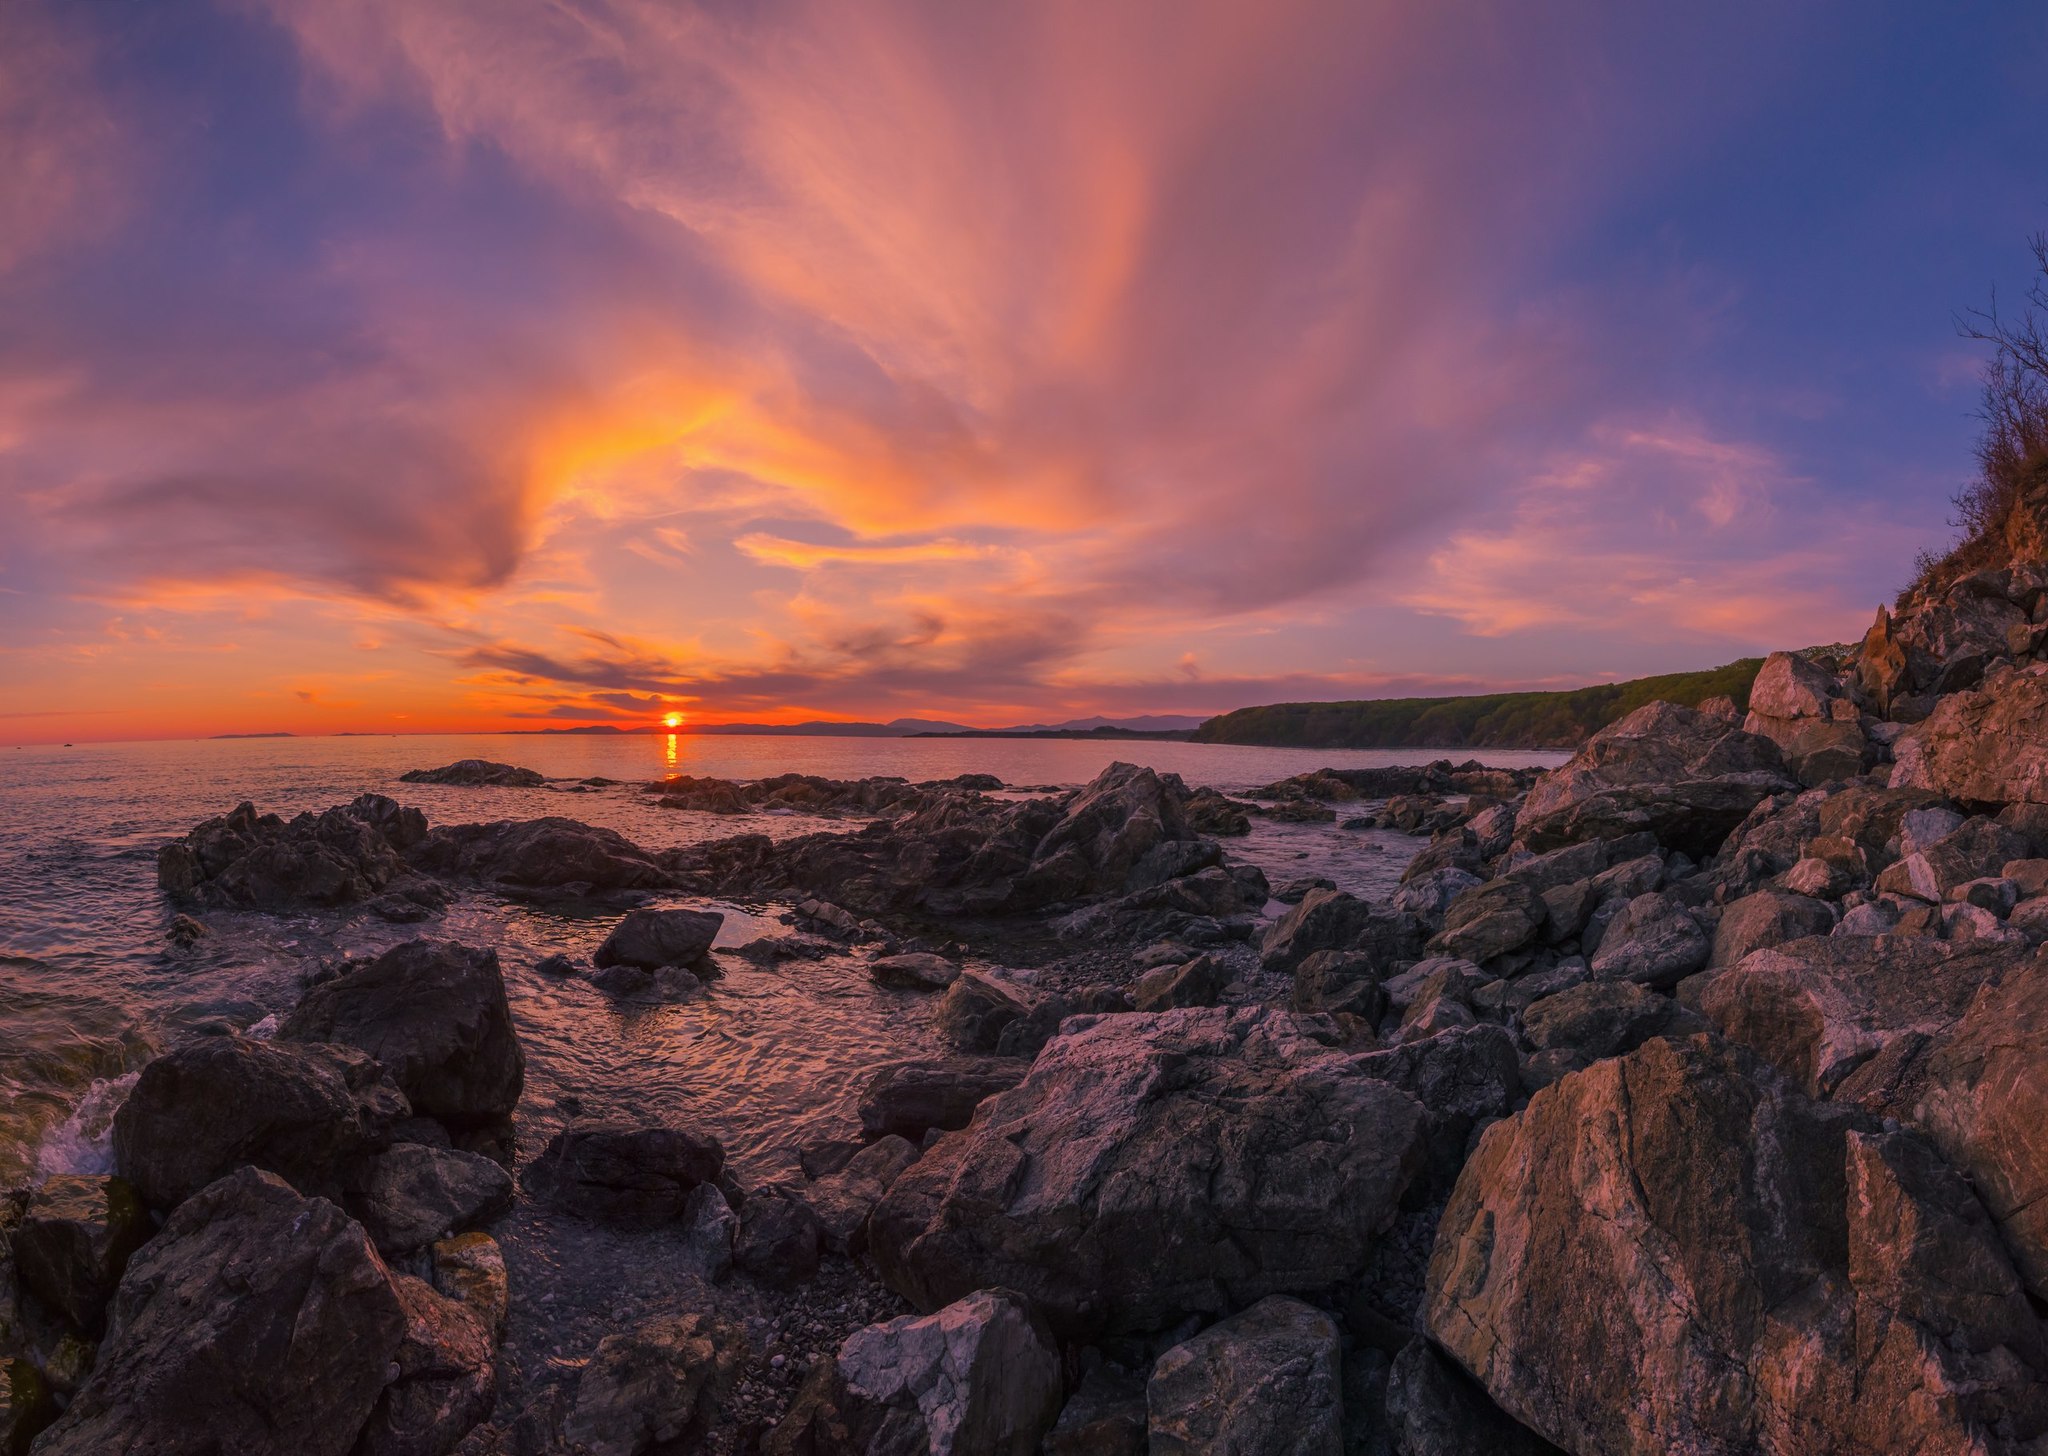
{"points": [[1261, 1383], [1154, 1166], [433, 1014], [256, 1321]]}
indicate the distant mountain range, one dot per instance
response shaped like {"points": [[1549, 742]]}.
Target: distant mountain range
{"points": [[895, 728]]}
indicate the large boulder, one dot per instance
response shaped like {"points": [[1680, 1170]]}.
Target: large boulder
{"points": [[1986, 746], [654, 938], [1685, 776], [655, 1385], [203, 1109], [1493, 920], [1262, 1383], [623, 1173], [1323, 920], [256, 1322], [985, 1012], [1671, 1251], [980, 1377], [1154, 1166], [1807, 712], [1112, 825], [909, 1099], [434, 1015]]}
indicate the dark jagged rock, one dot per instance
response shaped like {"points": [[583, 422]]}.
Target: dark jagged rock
{"points": [[1434, 1409], [651, 939], [551, 854], [988, 1013], [1153, 1166], [1263, 1380], [300, 1111], [980, 1377], [1683, 776], [446, 1381], [1338, 980], [1494, 920], [1655, 941], [476, 773], [256, 1321], [779, 1239], [1670, 1251], [1199, 982], [655, 1387], [248, 861], [618, 1173], [433, 1014], [843, 1198], [410, 1195], [909, 1099], [1333, 920], [73, 1240]]}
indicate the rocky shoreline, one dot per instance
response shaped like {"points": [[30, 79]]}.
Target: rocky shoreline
{"points": [[1688, 1098]]}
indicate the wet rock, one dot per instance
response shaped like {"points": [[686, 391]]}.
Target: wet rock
{"points": [[1198, 983], [1767, 918], [663, 986], [246, 860], [185, 931], [1153, 1166], [1982, 746], [544, 855], [434, 1015], [1654, 941], [1670, 1251], [557, 965], [409, 1195], [979, 1377], [1683, 776], [446, 1377], [475, 773], [916, 971], [300, 1111], [621, 1173], [909, 1099], [655, 1386], [73, 1240], [1261, 1383], [256, 1320], [470, 1269], [1434, 1409], [779, 1239], [654, 938], [1494, 920]]}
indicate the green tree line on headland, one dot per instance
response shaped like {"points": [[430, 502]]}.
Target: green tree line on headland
{"points": [[1491, 720]]}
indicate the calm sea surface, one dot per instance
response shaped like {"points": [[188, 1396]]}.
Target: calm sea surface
{"points": [[89, 989]]}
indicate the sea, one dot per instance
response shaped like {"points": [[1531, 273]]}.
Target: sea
{"points": [[769, 1058]]}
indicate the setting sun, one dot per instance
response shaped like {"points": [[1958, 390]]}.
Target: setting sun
{"points": [[673, 720]]}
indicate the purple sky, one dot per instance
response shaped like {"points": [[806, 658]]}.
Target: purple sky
{"points": [[454, 363]]}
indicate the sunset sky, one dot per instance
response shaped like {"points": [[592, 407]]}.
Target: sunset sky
{"points": [[423, 364]]}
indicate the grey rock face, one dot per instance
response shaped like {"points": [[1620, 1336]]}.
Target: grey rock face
{"points": [[1262, 1383], [1153, 1166]]}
